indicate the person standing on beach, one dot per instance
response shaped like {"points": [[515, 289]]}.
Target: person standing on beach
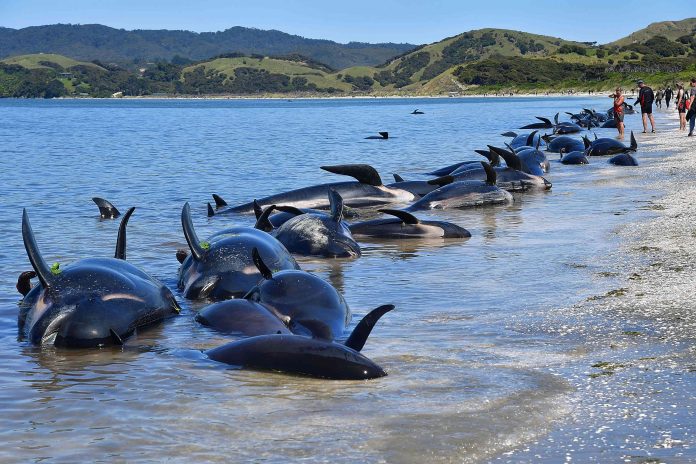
{"points": [[681, 106], [658, 98], [668, 95], [618, 110], [646, 97], [691, 114]]}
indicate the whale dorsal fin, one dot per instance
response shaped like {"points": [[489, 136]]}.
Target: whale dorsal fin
{"points": [[511, 159], [440, 181], [121, 239], [406, 218], [384, 134], [555, 118], [492, 157], [530, 138], [359, 335], [219, 202], [197, 251], [363, 173], [290, 209], [263, 223], [398, 178], [258, 210], [546, 121], [317, 328], [586, 142], [491, 176], [211, 211], [336, 205], [106, 209], [260, 265], [43, 272], [634, 143]]}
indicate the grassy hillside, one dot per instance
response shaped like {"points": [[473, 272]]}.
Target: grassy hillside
{"points": [[481, 61], [46, 61], [89, 42], [670, 29]]}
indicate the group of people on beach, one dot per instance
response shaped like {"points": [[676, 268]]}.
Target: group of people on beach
{"points": [[646, 98]]}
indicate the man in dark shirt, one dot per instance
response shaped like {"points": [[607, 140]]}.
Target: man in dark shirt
{"points": [[668, 95], [646, 98]]}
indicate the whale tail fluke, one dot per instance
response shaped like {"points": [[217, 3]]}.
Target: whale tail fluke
{"points": [[359, 335], [106, 209]]}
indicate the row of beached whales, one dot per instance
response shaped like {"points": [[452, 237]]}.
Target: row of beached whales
{"points": [[289, 320]]}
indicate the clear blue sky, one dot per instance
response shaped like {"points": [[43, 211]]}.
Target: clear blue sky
{"points": [[413, 21]]}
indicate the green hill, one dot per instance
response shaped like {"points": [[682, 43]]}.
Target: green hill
{"points": [[480, 61]]}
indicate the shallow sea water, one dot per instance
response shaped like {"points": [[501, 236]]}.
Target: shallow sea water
{"points": [[490, 349]]}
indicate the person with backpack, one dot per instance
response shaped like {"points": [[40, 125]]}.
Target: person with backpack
{"points": [[646, 97], [681, 106]]}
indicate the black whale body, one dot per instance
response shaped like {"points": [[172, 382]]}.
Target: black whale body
{"points": [[91, 302]]}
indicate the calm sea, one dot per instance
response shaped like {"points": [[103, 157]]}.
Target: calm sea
{"points": [[480, 363]]}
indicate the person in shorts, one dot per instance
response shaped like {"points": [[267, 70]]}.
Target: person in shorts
{"points": [[681, 106], [619, 110], [646, 97]]}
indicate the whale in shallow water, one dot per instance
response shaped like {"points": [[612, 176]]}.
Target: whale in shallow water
{"points": [[302, 299], [464, 193], [91, 302], [315, 234], [221, 267], [241, 317], [492, 158], [381, 136], [316, 356], [403, 225], [608, 146], [367, 190], [623, 159], [565, 143]]}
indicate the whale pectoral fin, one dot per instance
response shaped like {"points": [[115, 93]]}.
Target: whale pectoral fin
{"points": [[406, 218], [336, 205], [317, 328], [121, 239], [290, 209], [24, 282], [197, 251], [219, 202], [106, 209], [116, 338], [211, 211], [363, 173], [263, 223], [398, 178], [181, 255], [359, 335], [440, 181], [260, 265]]}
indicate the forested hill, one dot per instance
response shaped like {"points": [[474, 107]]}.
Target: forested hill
{"points": [[96, 42]]}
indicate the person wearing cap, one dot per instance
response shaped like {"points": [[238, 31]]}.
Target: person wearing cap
{"points": [[646, 97]]}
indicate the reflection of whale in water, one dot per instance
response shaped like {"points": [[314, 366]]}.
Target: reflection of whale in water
{"points": [[381, 136]]}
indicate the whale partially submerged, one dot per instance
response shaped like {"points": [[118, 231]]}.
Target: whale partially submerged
{"points": [[367, 190], [92, 302], [315, 357], [608, 146], [404, 225]]}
